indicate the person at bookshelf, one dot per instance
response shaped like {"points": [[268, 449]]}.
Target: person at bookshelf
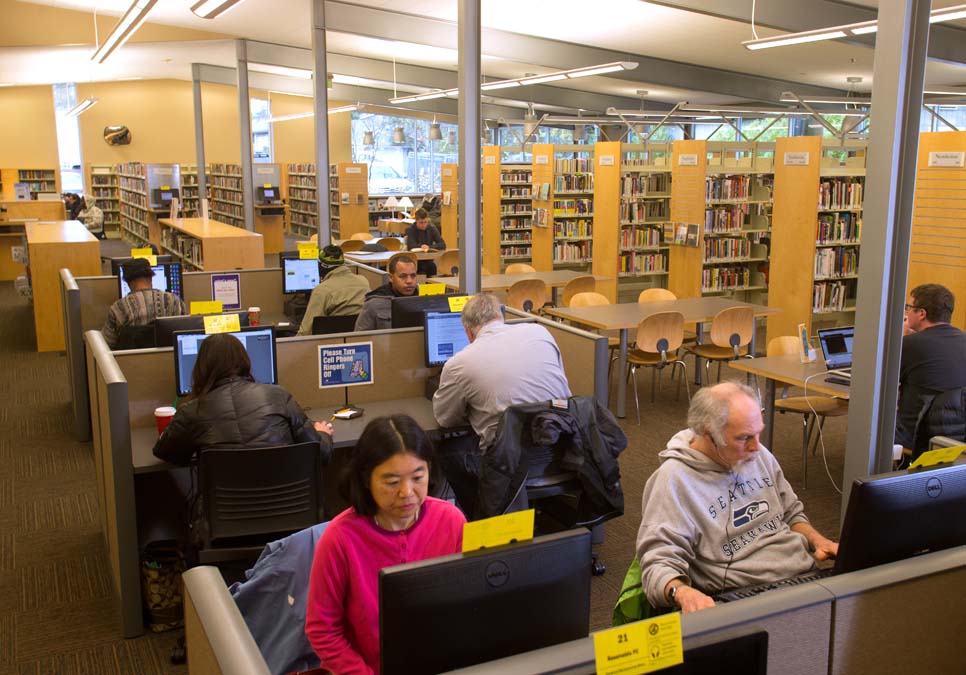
{"points": [[933, 356], [339, 293], [377, 309], [390, 520], [72, 205], [718, 513], [142, 305], [503, 365], [92, 216], [423, 235]]}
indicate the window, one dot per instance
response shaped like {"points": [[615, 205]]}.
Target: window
{"points": [[751, 128], [666, 132], [261, 130], [68, 139], [715, 131], [410, 167]]}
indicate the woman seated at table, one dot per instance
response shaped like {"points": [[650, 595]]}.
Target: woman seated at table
{"points": [[228, 409], [390, 521]]}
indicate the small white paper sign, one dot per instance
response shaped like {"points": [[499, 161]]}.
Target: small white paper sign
{"points": [[353, 169], [946, 158], [688, 160], [607, 160], [796, 159], [489, 160], [447, 172], [264, 170], [542, 159]]}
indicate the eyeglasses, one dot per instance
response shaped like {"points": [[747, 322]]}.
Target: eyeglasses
{"points": [[908, 307]]}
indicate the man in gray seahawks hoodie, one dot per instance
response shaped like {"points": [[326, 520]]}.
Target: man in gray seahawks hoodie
{"points": [[718, 513]]}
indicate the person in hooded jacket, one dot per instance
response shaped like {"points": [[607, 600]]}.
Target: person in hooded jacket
{"points": [[228, 409], [718, 513], [377, 309]]}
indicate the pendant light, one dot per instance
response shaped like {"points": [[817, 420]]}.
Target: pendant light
{"points": [[398, 136], [451, 138], [368, 139], [435, 133]]}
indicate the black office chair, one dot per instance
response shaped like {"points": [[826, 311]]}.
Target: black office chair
{"points": [[942, 414], [252, 496], [324, 325], [135, 337]]}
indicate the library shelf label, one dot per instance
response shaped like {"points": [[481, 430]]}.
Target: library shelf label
{"points": [[449, 172], [796, 159], [489, 160], [689, 159], [607, 160], [353, 169], [946, 158], [542, 159]]}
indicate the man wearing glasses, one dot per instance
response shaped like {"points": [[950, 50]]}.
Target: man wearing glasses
{"points": [[933, 355]]}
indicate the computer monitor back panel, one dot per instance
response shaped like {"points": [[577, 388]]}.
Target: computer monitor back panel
{"points": [[444, 337], [299, 276], [167, 277], [747, 654], [116, 263], [456, 611], [903, 514], [259, 342], [166, 326], [410, 312]]}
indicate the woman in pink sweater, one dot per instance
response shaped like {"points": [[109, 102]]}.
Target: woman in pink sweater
{"points": [[390, 521]]}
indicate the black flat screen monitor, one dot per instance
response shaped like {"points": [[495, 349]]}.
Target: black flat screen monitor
{"points": [[410, 311], [894, 516], [268, 195], [166, 326], [167, 277], [116, 263], [747, 654], [259, 342], [460, 610], [444, 336], [162, 198], [299, 276]]}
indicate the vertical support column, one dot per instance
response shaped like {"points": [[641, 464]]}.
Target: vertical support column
{"points": [[471, 234], [245, 124], [900, 61], [199, 140], [319, 83]]}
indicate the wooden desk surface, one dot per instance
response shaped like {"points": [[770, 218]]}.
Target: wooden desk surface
{"points": [[58, 232], [501, 282], [200, 228], [347, 432], [630, 314], [789, 370]]}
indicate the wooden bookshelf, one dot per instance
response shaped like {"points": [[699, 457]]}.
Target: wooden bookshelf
{"points": [[516, 213], [449, 213], [104, 188], [211, 245], [492, 206], [190, 203], [573, 207], [139, 223], [226, 194], [606, 228], [303, 215], [39, 180], [938, 248], [688, 173], [349, 199], [32, 210], [542, 235]]}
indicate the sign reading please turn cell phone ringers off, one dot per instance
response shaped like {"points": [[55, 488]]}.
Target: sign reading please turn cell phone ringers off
{"points": [[345, 365]]}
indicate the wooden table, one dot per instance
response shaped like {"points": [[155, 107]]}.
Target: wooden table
{"points": [[628, 315], [380, 259], [502, 282], [394, 225], [788, 370]]}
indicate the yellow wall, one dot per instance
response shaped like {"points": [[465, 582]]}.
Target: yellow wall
{"points": [[294, 139], [28, 138]]}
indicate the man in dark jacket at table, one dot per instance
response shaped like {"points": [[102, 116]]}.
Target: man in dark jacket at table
{"points": [[377, 309], [425, 236]]}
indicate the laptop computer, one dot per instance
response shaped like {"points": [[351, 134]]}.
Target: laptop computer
{"points": [[837, 349]]}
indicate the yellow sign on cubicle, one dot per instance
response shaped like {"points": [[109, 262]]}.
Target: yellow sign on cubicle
{"points": [[498, 530], [938, 456], [222, 323], [308, 250], [206, 307], [640, 647], [432, 289], [457, 302]]}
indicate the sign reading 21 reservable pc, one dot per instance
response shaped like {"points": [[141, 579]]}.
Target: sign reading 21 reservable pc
{"points": [[345, 365]]}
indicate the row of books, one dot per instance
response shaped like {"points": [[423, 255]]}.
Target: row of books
{"points": [[135, 198], [840, 193], [226, 182], [187, 247], [573, 165], [570, 251], [829, 296], [836, 262], [583, 182], [572, 207], [522, 236], [640, 237], [515, 176], [573, 228], [640, 184], [516, 223], [132, 168], [514, 251], [227, 169], [724, 278], [301, 194], [520, 192], [226, 195], [641, 263], [725, 219], [727, 187], [639, 212], [515, 208], [301, 168], [838, 227], [302, 181], [726, 249]]}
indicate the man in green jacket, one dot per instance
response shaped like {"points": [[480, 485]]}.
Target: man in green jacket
{"points": [[341, 292]]}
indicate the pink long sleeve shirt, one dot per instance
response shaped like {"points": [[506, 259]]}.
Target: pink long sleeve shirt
{"points": [[342, 614]]}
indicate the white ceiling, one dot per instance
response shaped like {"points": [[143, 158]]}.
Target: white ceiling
{"points": [[629, 26]]}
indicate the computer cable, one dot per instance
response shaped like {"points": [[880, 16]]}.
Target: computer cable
{"points": [[821, 437]]}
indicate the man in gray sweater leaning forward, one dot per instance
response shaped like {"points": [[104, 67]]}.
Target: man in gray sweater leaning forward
{"points": [[718, 513]]}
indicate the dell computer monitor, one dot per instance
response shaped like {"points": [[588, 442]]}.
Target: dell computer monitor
{"points": [[410, 311], [116, 263], [299, 275], [470, 608], [167, 277], [444, 336], [259, 342], [894, 516], [166, 326]]}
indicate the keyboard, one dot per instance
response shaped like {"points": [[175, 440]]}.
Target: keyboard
{"points": [[752, 591], [845, 382]]}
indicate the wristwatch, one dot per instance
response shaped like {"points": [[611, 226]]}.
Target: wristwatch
{"points": [[671, 593]]}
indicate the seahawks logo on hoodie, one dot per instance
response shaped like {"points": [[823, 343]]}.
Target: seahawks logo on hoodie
{"points": [[748, 513]]}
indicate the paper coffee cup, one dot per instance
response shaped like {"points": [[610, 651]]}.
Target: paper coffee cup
{"points": [[254, 315], [163, 417]]}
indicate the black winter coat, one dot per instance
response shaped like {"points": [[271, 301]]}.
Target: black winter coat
{"points": [[238, 413]]}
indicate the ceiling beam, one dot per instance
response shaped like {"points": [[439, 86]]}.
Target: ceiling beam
{"points": [[947, 43]]}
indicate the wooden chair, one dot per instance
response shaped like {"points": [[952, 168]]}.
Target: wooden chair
{"points": [[519, 268], [314, 239], [448, 264], [350, 245], [391, 243], [527, 295], [592, 299], [731, 333], [809, 407], [659, 337], [584, 284], [362, 236], [656, 295]]}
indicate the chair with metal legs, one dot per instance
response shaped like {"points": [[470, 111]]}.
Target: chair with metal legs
{"points": [[659, 337]]}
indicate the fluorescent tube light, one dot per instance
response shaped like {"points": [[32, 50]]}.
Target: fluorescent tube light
{"points": [[947, 14], [209, 9], [540, 79], [125, 28], [600, 70], [865, 28], [841, 100], [298, 116], [86, 104], [502, 84], [285, 71], [794, 39]]}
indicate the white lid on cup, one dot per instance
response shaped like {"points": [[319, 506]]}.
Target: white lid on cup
{"points": [[254, 309], [165, 411]]}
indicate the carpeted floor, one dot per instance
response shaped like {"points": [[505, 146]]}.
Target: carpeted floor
{"points": [[57, 610]]}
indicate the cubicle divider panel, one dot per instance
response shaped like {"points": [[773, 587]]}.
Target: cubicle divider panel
{"points": [[150, 381], [399, 365], [584, 356], [298, 371], [257, 288], [97, 294], [76, 363]]}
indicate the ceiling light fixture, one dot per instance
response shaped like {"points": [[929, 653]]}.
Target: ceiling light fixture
{"points": [[210, 9], [368, 138], [398, 136], [125, 28], [285, 71], [836, 32], [303, 115], [529, 78], [86, 104], [435, 133], [451, 138]]}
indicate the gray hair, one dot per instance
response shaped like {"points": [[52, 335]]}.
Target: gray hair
{"points": [[708, 412], [480, 310]]}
